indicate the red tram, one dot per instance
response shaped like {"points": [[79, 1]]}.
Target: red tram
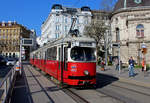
{"points": [[71, 60]]}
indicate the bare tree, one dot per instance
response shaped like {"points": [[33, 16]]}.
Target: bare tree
{"points": [[107, 5], [97, 31]]}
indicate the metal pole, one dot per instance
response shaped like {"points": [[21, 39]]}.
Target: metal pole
{"points": [[20, 61], [106, 43], [62, 66], [119, 57]]}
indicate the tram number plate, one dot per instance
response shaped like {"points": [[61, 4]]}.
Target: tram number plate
{"points": [[73, 68]]}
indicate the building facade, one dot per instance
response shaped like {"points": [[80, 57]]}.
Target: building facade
{"points": [[59, 21], [34, 38], [10, 34], [130, 24]]}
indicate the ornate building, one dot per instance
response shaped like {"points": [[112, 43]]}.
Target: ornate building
{"points": [[130, 28], [10, 34], [59, 21]]}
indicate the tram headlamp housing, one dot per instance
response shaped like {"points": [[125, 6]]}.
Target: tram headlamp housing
{"points": [[86, 72], [94, 44]]}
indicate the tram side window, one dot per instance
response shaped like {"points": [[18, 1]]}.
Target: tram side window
{"points": [[51, 53]]}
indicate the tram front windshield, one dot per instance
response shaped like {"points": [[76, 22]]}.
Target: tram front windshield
{"points": [[83, 54]]}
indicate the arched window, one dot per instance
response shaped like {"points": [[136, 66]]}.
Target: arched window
{"points": [[117, 35], [140, 31]]}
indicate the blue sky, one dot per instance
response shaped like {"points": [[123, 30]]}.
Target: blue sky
{"points": [[31, 13]]}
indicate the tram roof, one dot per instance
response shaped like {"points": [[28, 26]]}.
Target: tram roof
{"points": [[65, 40]]}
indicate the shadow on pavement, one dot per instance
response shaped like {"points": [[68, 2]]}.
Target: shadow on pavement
{"points": [[20, 92], [103, 80]]}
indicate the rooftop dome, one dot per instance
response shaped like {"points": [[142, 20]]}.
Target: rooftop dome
{"points": [[57, 6], [131, 3], [85, 8]]}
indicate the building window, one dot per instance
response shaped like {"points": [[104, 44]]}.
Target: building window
{"points": [[3, 36], [6, 31], [117, 35], [137, 1], [6, 36], [14, 30], [65, 28], [66, 20], [57, 27], [86, 21], [140, 31], [78, 21], [14, 55], [116, 20], [57, 19], [57, 35]]}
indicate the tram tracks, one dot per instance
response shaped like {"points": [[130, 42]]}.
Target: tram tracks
{"points": [[79, 95], [125, 92], [75, 96], [133, 90], [68, 91], [114, 92]]}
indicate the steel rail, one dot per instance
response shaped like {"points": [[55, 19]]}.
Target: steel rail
{"points": [[68, 91], [123, 99], [129, 88]]}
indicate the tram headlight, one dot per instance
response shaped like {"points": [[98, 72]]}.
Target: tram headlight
{"points": [[86, 72]]}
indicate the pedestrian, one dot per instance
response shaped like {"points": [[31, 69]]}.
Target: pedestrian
{"points": [[102, 65], [143, 64], [144, 67], [131, 67], [116, 64]]}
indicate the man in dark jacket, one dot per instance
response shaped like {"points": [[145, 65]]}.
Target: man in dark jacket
{"points": [[131, 67]]}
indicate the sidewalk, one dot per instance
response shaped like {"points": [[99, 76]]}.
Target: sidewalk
{"points": [[33, 87], [140, 78]]}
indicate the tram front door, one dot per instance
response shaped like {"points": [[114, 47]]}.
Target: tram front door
{"points": [[62, 69]]}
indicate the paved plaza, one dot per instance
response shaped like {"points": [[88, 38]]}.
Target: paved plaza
{"points": [[140, 77]]}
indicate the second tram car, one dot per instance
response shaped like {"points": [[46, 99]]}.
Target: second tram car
{"points": [[71, 60]]}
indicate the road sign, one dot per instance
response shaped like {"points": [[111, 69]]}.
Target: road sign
{"points": [[27, 42], [116, 45]]}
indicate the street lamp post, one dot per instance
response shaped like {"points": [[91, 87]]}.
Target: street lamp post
{"points": [[106, 43], [119, 58], [20, 54]]}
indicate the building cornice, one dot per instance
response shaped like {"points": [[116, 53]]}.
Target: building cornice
{"points": [[131, 9]]}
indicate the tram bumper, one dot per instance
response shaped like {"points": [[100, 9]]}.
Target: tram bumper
{"points": [[84, 82], [81, 80]]}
